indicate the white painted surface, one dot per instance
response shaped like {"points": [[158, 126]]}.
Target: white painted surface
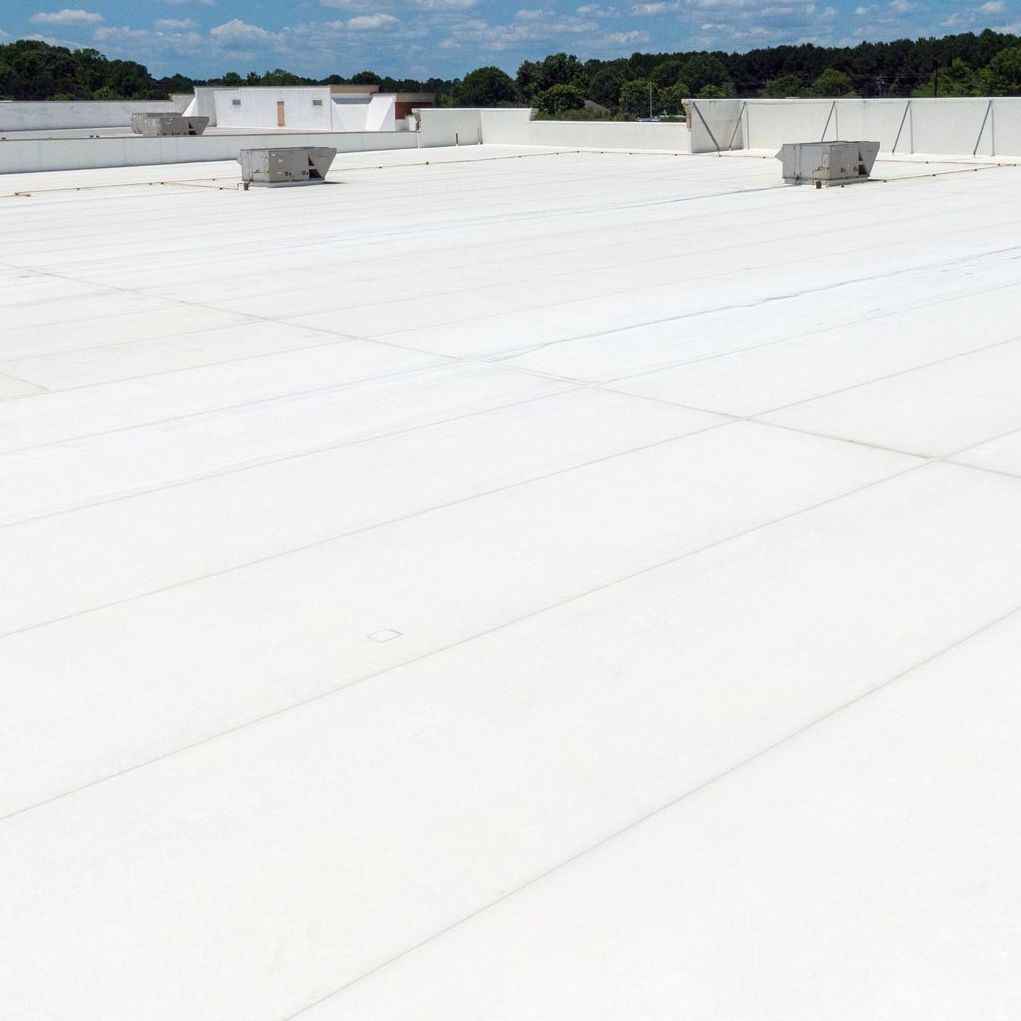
{"points": [[379, 114], [257, 108], [36, 155], [438, 127], [672, 137], [32, 116], [617, 616], [313, 108], [963, 127], [808, 878]]}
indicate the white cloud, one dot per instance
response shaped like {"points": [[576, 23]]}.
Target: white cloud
{"points": [[181, 3], [993, 7], [367, 22], [173, 24], [66, 16], [238, 31], [645, 10], [706, 5], [523, 33], [626, 38], [444, 5], [123, 34], [597, 11], [901, 6]]}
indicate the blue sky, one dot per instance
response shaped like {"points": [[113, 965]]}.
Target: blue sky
{"points": [[446, 38]]}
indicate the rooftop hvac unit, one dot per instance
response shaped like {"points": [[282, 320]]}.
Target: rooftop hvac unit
{"points": [[827, 163], [275, 167], [159, 125]]}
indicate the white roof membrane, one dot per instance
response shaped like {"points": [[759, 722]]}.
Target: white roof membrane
{"points": [[508, 583]]}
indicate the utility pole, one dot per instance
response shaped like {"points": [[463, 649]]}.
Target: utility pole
{"points": [[650, 101]]}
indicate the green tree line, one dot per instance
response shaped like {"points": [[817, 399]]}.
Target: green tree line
{"points": [[31, 69], [561, 85]]}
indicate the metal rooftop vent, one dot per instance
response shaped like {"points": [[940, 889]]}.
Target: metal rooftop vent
{"points": [[275, 167], [157, 125], [827, 163]]}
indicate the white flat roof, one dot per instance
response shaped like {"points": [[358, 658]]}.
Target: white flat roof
{"points": [[570, 586]]}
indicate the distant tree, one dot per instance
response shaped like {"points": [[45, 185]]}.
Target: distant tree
{"points": [[963, 64], [279, 76], [956, 80], [558, 98], [535, 76], [90, 71], [560, 69], [177, 83], [667, 72], [832, 84], [130, 80], [703, 69], [605, 84], [672, 100], [485, 86], [725, 91], [527, 79], [1002, 75], [783, 87], [641, 97]]}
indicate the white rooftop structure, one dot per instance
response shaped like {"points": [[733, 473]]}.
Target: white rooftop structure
{"points": [[510, 583]]}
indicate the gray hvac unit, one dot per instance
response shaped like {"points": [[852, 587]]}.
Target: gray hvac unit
{"points": [[827, 163], [162, 125], [276, 167]]}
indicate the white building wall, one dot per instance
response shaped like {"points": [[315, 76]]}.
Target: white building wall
{"points": [[26, 116], [460, 126], [516, 127], [29, 155], [670, 137], [772, 119], [203, 104], [716, 127], [379, 116], [348, 113], [953, 127], [1005, 127], [872, 119], [257, 108], [497, 124]]}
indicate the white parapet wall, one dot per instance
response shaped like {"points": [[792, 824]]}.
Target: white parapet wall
{"points": [[954, 127], [62, 116], [667, 136], [516, 126], [38, 154], [459, 126]]}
